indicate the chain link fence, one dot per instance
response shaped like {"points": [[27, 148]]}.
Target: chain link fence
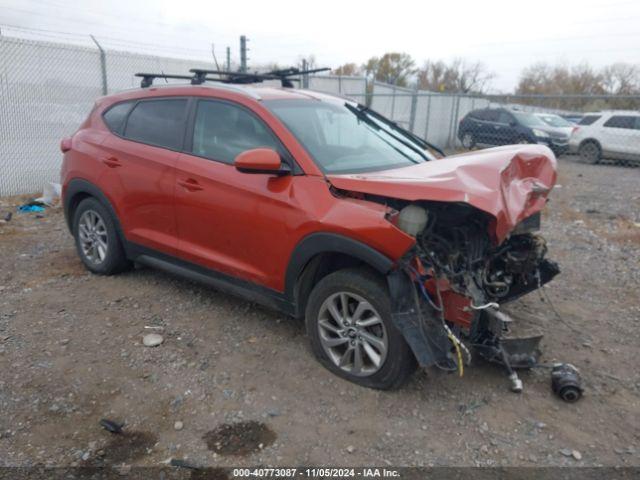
{"points": [[47, 89]]}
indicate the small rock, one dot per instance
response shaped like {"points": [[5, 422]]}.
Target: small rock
{"points": [[484, 427], [351, 449], [178, 425], [540, 425], [567, 452], [576, 454], [273, 412], [85, 456], [152, 340]]}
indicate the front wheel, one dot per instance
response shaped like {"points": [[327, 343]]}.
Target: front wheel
{"points": [[468, 141], [349, 322]]}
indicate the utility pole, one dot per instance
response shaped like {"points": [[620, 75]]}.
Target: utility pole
{"points": [[243, 53], [228, 59]]}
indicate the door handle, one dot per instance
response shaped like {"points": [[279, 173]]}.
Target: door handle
{"points": [[190, 184], [111, 162]]}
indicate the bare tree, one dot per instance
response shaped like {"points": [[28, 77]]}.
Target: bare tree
{"points": [[542, 78], [394, 68], [621, 79], [458, 76], [348, 69]]}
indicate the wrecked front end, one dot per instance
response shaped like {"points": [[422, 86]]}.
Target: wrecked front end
{"points": [[476, 248], [452, 283]]}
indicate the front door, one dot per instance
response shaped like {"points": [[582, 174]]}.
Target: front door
{"points": [[229, 221]]}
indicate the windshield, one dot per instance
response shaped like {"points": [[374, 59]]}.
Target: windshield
{"points": [[529, 120], [555, 121], [342, 138]]}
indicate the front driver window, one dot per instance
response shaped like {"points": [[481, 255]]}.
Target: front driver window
{"points": [[222, 131]]}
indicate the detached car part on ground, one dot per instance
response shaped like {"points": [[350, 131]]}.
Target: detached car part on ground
{"points": [[322, 209]]}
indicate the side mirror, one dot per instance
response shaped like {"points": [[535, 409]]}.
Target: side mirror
{"points": [[261, 160]]}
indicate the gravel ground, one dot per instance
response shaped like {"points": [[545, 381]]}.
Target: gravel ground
{"points": [[71, 354]]}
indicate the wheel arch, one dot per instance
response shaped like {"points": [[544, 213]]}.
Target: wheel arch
{"points": [[320, 254], [77, 190], [590, 140]]}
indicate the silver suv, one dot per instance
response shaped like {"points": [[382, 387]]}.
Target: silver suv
{"points": [[611, 134]]}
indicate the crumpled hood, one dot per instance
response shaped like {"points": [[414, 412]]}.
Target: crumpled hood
{"points": [[510, 183]]}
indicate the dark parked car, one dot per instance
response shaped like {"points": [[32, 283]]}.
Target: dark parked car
{"points": [[499, 126]]}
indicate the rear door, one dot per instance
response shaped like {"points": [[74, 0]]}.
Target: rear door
{"points": [[229, 221], [141, 157], [492, 129], [620, 137]]}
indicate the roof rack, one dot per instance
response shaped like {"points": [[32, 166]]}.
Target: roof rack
{"points": [[244, 77], [148, 78], [200, 76]]}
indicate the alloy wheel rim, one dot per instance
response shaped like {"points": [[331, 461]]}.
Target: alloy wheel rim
{"points": [[92, 232], [590, 152], [352, 334], [467, 140]]}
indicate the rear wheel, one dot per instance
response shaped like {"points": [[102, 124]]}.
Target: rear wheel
{"points": [[589, 152], [97, 240], [349, 322]]}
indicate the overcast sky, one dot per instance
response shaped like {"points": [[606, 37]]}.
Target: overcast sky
{"points": [[505, 35]]}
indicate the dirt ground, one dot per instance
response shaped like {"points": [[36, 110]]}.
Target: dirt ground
{"points": [[236, 384]]}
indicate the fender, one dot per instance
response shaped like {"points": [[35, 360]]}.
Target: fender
{"points": [[82, 186], [322, 242]]}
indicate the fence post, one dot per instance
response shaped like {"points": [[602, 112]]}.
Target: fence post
{"points": [[455, 105], [414, 103], [428, 119], [103, 64], [393, 102]]}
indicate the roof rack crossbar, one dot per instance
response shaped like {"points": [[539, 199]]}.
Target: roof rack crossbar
{"points": [[148, 78], [246, 77]]}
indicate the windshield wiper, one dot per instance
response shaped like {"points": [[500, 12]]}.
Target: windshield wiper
{"points": [[401, 130], [364, 116]]}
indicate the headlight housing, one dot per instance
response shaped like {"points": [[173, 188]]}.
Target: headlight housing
{"points": [[540, 133]]}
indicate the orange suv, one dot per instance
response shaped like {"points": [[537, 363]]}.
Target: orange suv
{"points": [[320, 208]]}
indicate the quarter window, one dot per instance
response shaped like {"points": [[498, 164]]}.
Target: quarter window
{"points": [[588, 119], [116, 115], [621, 121], [158, 122], [222, 131]]}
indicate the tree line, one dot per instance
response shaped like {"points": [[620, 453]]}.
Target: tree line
{"points": [[462, 76]]}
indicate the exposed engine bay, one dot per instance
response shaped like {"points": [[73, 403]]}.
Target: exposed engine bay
{"points": [[458, 276]]}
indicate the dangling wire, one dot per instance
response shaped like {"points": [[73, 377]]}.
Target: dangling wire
{"points": [[456, 342]]}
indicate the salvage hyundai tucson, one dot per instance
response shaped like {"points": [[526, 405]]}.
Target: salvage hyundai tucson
{"points": [[395, 255]]}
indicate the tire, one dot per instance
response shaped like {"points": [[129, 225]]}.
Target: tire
{"points": [[373, 336], [97, 240], [590, 152], [468, 141]]}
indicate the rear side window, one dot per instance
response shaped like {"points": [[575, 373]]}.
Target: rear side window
{"points": [[116, 115], [222, 131], [621, 121], [491, 115], [504, 117], [158, 122], [588, 119]]}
